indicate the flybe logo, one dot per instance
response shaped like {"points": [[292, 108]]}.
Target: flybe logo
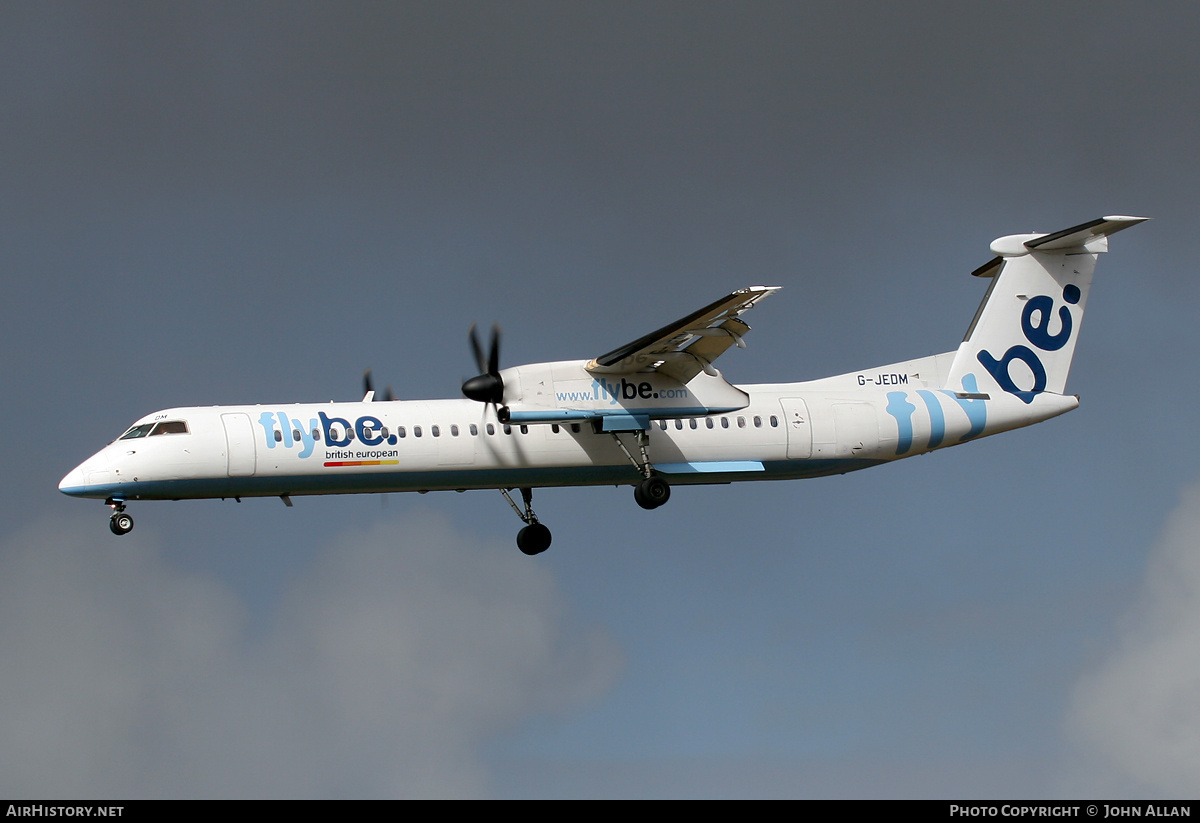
{"points": [[974, 407], [282, 431], [1036, 319], [600, 389]]}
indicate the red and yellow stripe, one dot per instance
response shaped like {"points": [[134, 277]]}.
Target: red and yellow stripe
{"points": [[336, 463]]}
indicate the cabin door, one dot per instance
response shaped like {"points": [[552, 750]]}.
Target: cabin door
{"points": [[799, 428], [239, 444]]}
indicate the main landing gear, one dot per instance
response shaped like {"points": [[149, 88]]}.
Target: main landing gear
{"points": [[120, 522], [650, 493], [653, 490], [535, 537]]}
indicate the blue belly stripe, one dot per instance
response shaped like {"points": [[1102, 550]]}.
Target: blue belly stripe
{"points": [[707, 467]]}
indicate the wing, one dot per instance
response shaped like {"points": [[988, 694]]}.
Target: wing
{"points": [[686, 347]]}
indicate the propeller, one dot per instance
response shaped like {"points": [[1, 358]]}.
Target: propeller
{"points": [[488, 385], [369, 387]]}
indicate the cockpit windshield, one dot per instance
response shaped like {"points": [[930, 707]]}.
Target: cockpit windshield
{"points": [[152, 429]]}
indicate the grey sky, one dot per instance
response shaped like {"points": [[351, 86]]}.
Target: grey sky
{"points": [[224, 203]]}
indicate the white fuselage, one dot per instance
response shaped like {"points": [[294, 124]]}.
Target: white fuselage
{"points": [[780, 431]]}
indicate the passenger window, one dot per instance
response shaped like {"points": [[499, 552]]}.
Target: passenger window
{"points": [[678, 424], [384, 432], [662, 424], [507, 429], [774, 421], [317, 435], [491, 429], [692, 423], [454, 430], [278, 436], [474, 430], [741, 422], [416, 431], [435, 431], [349, 434], [575, 427], [554, 428], [724, 422], [524, 429], [296, 435], [401, 432], [757, 422], [708, 422]]}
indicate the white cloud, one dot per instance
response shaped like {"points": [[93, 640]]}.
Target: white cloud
{"points": [[384, 669], [1136, 717]]}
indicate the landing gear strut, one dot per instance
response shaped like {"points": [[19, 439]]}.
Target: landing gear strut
{"points": [[653, 490], [120, 522], [535, 537]]}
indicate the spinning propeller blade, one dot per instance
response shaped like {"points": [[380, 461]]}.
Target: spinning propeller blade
{"points": [[488, 386]]}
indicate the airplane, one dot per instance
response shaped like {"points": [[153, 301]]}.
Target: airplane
{"points": [[652, 414]]}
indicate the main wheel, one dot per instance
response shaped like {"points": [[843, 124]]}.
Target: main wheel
{"points": [[652, 492], [533, 539], [120, 523]]}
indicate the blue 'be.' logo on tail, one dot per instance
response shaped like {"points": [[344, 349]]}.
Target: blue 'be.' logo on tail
{"points": [[1039, 335]]}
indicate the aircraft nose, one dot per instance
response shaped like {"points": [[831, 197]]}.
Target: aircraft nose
{"points": [[74, 483]]}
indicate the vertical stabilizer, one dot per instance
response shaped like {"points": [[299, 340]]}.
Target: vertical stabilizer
{"points": [[1023, 336]]}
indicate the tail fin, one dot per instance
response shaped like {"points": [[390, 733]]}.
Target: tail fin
{"points": [[1023, 336]]}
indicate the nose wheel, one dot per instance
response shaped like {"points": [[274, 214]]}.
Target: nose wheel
{"points": [[121, 522]]}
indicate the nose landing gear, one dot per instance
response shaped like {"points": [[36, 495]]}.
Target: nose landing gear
{"points": [[120, 522]]}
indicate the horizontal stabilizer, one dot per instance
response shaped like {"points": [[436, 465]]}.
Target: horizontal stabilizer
{"points": [[1086, 237], [1078, 236]]}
